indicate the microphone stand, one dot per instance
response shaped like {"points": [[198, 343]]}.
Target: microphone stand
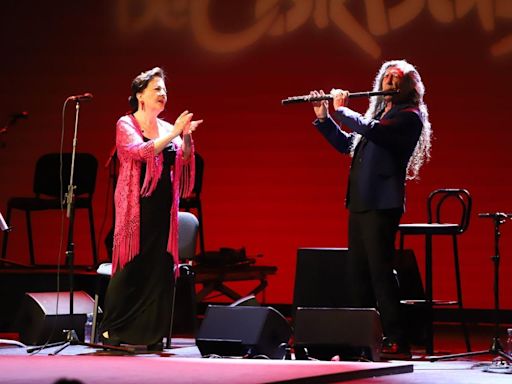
{"points": [[496, 348], [71, 335]]}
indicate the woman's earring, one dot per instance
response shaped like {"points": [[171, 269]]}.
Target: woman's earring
{"points": [[142, 105]]}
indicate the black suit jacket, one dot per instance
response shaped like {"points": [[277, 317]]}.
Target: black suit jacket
{"points": [[389, 145]]}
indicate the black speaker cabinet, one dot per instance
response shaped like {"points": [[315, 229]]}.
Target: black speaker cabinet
{"points": [[39, 318], [348, 332], [411, 291], [319, 278], [243, 330], [320, 281]]}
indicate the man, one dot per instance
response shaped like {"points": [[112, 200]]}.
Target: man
{"points": [[388, 145]]}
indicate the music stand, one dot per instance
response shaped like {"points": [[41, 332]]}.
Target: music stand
{"points": [[71, 335], [495, 349], [4, 227], [3, 224]]}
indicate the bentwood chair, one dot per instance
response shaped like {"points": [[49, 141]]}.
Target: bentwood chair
{"points": [[441, 204], [47, 193]]}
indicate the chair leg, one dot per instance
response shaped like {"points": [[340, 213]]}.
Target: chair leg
{"points": [[30, 239], [6, 234], [428, 296], [93, 236], [94, 329], [201, 233], [401, 252], [462, 317]]}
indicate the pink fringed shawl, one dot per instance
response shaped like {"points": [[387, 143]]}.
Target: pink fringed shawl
{"points": [[132, 152]]}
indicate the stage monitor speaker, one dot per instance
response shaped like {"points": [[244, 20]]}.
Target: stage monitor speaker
{"points": [[348, 332], [320, 279], [243, 331], [39, 319]]}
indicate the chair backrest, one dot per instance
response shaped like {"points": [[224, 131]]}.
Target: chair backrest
{"points": [[441, 204], [187, 239], [187, 235], [47, 174]]}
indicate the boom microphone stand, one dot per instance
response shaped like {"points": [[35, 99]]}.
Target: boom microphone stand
{"points": [[71, 335], [495, 349]]}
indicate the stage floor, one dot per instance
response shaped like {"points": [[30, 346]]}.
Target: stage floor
{"points": [[180, 364], [183, 364]]}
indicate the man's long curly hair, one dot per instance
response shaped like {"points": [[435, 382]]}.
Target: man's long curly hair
{"points": [[421, 153]]}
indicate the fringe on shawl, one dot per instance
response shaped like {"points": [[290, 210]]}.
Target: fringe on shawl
{"points": [[127, 241], [126, 246], [153, 171], [182, 184], [127, 238]]}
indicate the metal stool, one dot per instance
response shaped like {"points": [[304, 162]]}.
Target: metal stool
{"points": [[436, 205]]}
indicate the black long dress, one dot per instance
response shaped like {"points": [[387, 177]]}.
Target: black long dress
{"points": [[138, 299]]}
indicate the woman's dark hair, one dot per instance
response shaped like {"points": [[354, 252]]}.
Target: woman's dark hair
{"points": [[141, 82]]}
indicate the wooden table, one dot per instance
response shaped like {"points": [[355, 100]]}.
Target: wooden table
{"points": [[213, 278]]}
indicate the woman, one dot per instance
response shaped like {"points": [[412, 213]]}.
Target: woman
{"points": [[155, 164]]}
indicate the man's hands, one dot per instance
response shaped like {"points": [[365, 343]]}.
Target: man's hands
{"points": [[321, 108], [340, 98]]}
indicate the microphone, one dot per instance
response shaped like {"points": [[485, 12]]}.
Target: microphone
{"points": [[12, 120], [85, 97], [496, 215], [308, 98], [19, 115]]}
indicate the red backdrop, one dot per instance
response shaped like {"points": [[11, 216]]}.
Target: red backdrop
{"points": [[271, 183]]}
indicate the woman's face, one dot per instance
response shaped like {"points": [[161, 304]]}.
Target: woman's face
{"points": [[154, 96]]}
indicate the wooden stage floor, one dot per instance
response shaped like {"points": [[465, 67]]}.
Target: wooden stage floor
{"points": [[183, 364]]}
